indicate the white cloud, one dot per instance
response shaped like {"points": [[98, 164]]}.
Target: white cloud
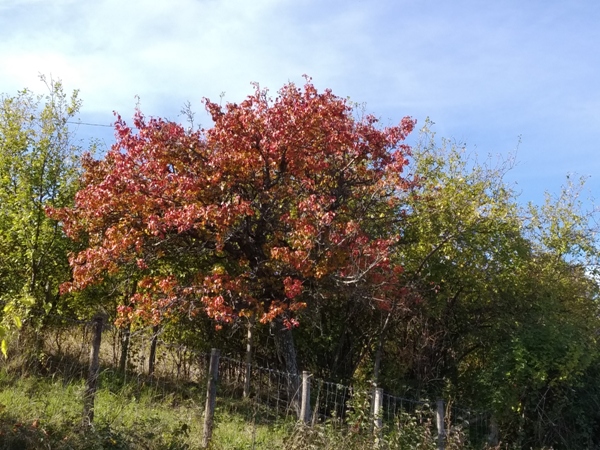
{"points": [[484, 73]]}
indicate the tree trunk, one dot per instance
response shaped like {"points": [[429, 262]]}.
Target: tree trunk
{"points": [[94, 370], [287, 349], [125, 337], [125, 334], [377, 364], [152, 358], [286, 346], [379, 350]]}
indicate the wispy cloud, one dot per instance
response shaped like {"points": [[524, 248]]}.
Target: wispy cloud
{"points": [[486, 73]]}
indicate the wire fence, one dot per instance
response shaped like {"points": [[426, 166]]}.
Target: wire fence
{"points": [[269, 395]]}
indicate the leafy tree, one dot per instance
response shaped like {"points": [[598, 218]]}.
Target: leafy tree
{"points": [[280, 204], [38, 168], [460, 234], [506, 314], [553, 343]]}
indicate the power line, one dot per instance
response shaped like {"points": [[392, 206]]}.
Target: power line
{"points": [[91, 124]]}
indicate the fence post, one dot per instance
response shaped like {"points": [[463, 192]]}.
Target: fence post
{"points": [[493, 432], [211, 396], [305, 406], [439, 415], [94, 370], [377, 415], [249, 344]]}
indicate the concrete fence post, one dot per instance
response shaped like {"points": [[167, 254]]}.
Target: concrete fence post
{"points": [[305, 405], [378, 415], [440, 423], [249, 345]]}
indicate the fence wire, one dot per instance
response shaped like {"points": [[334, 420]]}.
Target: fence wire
{"points": [[270, 395]]}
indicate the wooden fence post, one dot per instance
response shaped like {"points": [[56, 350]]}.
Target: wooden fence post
{"points": [[211, 396], [305, 406], [439, 415], [94, 370]]}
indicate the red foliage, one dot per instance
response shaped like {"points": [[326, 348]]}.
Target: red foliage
{"points": [[239, 219]]}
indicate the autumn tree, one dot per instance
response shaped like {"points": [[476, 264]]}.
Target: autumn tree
{"points": [[38, 168], [280, 204]]}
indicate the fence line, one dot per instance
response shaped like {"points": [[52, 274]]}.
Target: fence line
{"points": [[272, 393]]}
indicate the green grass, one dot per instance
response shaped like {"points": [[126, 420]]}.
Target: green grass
{"points": [[39, 412], [44, 412], [41, 406]]}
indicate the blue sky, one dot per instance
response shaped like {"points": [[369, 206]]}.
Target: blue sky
{"points": [[490, 74]]}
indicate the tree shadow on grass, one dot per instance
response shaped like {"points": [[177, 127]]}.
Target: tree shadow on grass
{"points": [[35, 435]]}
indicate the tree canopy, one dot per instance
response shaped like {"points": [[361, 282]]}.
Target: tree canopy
{"points": [[38, 168], [254, 216]]}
